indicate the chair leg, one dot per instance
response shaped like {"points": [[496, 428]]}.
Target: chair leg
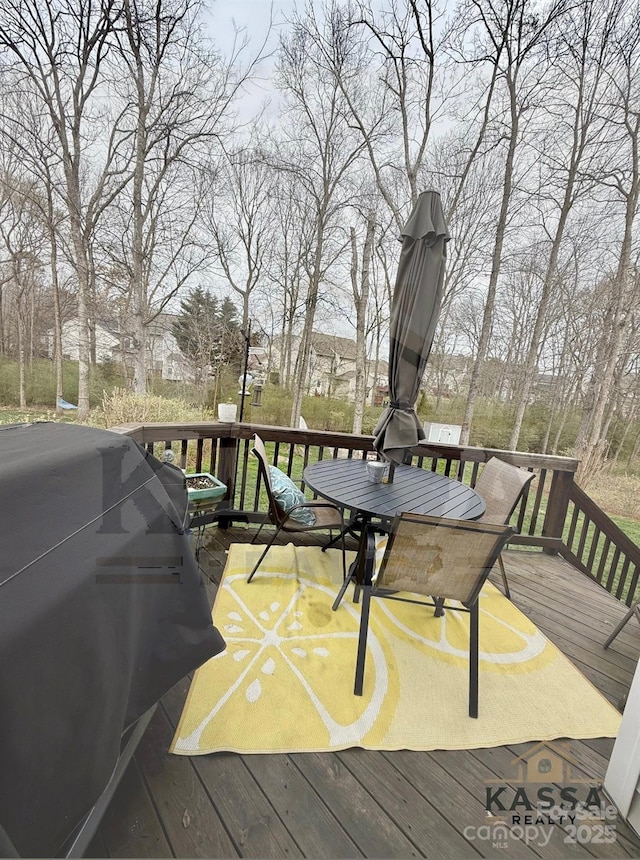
{"points": [[473, 660], [347, 529], [340, 594], [332, 540], [346, 577], [260, 560], [635, 610], [362, 640], [507, 593], [255, 537]]}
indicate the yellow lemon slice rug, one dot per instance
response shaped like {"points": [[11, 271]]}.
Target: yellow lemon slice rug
{"points": [[285, 681]]}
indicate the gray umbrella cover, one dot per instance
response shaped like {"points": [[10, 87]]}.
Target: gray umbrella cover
{"points": [[414, 315]]}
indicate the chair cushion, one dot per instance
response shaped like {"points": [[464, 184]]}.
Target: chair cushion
{"points": [[287, 495]]}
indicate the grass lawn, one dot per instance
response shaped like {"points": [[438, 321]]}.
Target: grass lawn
{"points": [[12, 415]]}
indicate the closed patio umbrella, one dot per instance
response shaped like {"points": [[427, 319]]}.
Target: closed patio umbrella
{"points": [[414, 314]]}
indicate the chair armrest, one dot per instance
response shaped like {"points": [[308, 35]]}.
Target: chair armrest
{"points": [[316, 504]]}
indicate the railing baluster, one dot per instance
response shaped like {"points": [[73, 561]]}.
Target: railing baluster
{"points": [[572, 527], [245, 470], [631, 595], [523, 508], [583, 535], [603, 559], [474, 473], [213, 456], [620, 590], [537, 501], [613, 571], [594, 546]]}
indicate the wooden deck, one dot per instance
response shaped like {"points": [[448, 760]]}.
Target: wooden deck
{"points": [[359, 803]]}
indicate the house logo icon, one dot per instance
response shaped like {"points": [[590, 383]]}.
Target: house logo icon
{"points": [[547, 762]]}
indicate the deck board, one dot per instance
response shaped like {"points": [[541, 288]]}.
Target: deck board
{"points": [[250, 820], [189, 819], [356, 802], [352, 804]]}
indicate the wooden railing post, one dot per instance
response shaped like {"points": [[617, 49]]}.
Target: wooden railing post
{"points": [[557, 507], [226, 467]]}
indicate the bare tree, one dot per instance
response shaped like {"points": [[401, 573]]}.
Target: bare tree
{"points": [[360, 286], [177, 99], [575, 127], [319, 151], [239, 215], [22, 234], [60, 47], [386, 69], [623, 177], [29, 136], [509, 32]]}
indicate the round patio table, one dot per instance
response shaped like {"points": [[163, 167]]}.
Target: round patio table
{"points": [[346, 483]]}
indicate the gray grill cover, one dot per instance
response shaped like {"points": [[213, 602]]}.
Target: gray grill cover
{"points": [[102, 610]]}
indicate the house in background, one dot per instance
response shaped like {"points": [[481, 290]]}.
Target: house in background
{"points": [[332, 367], [113, 343], [107, 336], [447, 374], [164, 356]]}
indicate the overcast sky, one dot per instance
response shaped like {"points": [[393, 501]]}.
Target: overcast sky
{"points": [[252, 17]]}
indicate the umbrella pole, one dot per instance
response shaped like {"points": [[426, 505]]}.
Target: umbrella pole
{"points": [[392, 471]]}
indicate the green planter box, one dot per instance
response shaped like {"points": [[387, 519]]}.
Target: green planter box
{"points": [[212, 493]]}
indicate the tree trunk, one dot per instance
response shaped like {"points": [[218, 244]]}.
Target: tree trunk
{"points": [[304, 351], [138, 286], [84, 341], [81, 264], [487, 317], [601, 387], [55, 288], [361, 299], [21, 359]]}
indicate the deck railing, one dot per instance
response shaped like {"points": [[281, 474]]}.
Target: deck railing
{"points": [[554, 513]]}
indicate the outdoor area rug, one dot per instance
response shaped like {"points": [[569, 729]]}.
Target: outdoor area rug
{"points": [[285, 681]]}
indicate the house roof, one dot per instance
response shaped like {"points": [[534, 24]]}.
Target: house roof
{"points": [[331, 344], [554, 748]]}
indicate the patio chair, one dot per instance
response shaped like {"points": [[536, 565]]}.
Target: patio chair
{"points": [[501, 485], [440, 559], [316, 514]]}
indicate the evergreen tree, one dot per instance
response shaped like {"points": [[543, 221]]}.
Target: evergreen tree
{"points": [[208, 333]]}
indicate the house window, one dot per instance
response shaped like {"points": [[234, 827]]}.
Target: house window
{"points": [[544, 765]]}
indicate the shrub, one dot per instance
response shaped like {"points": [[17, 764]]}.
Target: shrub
{"points": [[122, 406]]}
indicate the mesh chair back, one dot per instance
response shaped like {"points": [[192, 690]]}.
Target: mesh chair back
{"points": [[440, 558], [276, 513], [501, 486]]}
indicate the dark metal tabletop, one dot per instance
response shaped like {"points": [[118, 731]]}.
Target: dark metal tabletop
{"points": [[346, 483]]}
